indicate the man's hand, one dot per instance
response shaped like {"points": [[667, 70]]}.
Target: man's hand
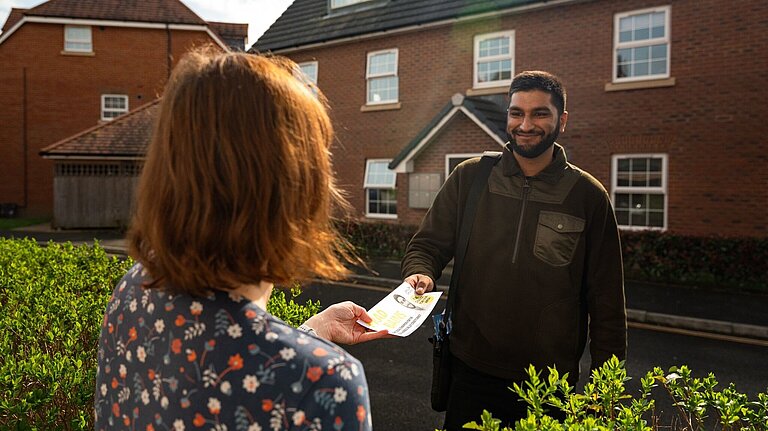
{"points": [[420, 283], [338, 323]]}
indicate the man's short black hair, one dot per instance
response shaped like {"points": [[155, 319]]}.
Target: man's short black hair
{"points": [[540, 80]]}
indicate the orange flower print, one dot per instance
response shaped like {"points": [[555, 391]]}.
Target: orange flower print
{"points": [[114, 383], [250, 314], [150, 427], [180, 320], [314, 374], [151, 374], [116, 410], [191, 355], [132, 334], [266, 405], [360, 413], [176, 345], [111, 328], [126, 421], [214, 406], [320, 352], [235, 362], [199, 420]]}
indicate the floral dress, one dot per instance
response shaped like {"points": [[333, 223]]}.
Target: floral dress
{"points": [[177, 362]]}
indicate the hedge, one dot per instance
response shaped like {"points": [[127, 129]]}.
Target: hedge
{"points": [[738, 263], [52, 300]]}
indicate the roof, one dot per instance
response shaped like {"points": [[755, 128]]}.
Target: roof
{"points": [[233, 34], [310, 21], [126, 136], [488, 115], [14, 17], [164, 11]]}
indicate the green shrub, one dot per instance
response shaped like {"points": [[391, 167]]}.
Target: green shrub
{"points": [[52, 300], [605, 405], [740, 263], [723, 262]]}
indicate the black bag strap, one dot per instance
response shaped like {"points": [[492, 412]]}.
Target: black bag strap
{"points": [[487, 162]]}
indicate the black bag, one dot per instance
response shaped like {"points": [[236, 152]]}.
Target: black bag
{"points": [[441, 354], [441, 365]]}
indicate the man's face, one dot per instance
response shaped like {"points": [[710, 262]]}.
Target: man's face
{"points": [[532, 122]]}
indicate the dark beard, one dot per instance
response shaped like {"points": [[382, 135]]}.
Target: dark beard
{"points": [[539, 149]]}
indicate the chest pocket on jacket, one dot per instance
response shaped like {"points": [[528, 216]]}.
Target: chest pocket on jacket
{"points": [[556, 237]]}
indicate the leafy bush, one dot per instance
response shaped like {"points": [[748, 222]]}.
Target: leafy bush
{"points": [[52, 300], [605, 406], [740, 263], [726, 262], [376, 239]]}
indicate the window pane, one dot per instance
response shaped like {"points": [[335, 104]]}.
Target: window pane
{"points": [[638, 218], [642, 53], [494, 47], [624, 165], [382, 89], [659, 51], [656, 202], [622, 201], [656, 219], [382, 63], [639, 164], [640, 69], [654, 164], [622, 217]]}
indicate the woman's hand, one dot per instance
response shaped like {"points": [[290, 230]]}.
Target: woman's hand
{"points": [[338, 323]]}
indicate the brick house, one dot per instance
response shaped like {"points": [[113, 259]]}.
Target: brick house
{"points": [[666, 98], [69, 65]]}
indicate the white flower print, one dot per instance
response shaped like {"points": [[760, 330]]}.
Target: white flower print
{"points": [[235, 331], [164, 402], [254, 427], [226, 387], [287, 353], [345, 373], [145, 397], [103, 389], [298, 417], [355, 370], [150, 308], [303, 340], [128, 356], [271, 336], [250, 383], [196, 307], [178, 425], [219, 427], [122, 370], [214, 405], [132, 305], [339, 395], [141, 354], [159, 326]]}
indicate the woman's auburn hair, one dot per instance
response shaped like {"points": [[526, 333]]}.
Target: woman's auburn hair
{"points": [[238, 185]]}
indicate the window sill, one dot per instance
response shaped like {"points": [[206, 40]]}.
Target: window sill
{"points": [[487, 91], [382, 216], [638, 85], [382, 107], [78, 54]]}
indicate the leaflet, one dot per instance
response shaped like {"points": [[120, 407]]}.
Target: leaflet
{"points": [[402, 311]]}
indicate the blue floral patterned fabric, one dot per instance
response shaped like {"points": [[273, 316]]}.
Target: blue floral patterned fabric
{"points": [[176, 362]]}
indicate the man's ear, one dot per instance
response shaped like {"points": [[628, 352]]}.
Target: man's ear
{"points": [[563, 121]]}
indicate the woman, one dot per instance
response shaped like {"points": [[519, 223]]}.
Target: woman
{"points": [[236, 195]]}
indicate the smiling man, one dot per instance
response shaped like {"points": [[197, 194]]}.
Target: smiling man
{"points": [[542, 271]]}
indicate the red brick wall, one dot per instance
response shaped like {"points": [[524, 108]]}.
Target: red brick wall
{"points": [[710, 123], [64, 94]]}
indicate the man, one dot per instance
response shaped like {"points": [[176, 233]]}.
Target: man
{"points": [[542, 268]]}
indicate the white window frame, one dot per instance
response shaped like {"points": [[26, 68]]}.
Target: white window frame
{"points": [[367, 185], [118, 111], [338, 4], [68, 39], [637, 44], [369, 76], [660, 190], [310, 80], [482, 37], [450, 156]]}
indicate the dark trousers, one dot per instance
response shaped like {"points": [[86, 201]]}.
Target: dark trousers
{"points": [[472, 391]]}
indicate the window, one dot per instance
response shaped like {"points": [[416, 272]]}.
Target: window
{"points": [[309, 75], [380, 194], [640, 190], [381, 74], [341, 3], [113, 105], [453, 160], [494, 59], [641, 41], [77, 39]]}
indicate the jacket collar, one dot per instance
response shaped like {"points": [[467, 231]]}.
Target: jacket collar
{"points": [[551, 174]]}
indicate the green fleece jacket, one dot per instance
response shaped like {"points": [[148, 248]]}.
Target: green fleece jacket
{"points": [[542, 271]]}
